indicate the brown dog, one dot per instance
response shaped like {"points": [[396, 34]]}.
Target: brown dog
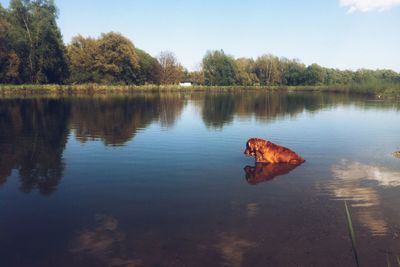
{"points": [[268, 152]]}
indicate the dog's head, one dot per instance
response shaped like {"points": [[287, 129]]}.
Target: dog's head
{"points": [[251, 147]]}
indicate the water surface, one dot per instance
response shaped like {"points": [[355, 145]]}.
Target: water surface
{"points": [[161, 180]]}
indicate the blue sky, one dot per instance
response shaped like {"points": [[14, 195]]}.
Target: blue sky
{"points": [[345, 34]]}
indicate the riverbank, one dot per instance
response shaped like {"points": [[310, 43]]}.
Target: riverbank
{"points": [[381, 91]]}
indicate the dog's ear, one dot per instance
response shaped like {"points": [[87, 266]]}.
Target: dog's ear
{"points": [[254, 146], [248, 144]]}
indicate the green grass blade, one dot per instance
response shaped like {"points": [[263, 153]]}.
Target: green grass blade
{"points": [[351, 233], [388, 260]]}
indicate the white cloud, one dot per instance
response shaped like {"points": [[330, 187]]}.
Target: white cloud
{"points": [[368, 5]]}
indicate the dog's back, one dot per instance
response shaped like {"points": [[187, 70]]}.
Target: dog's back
{"points": [[280, 154], [266, 151]]}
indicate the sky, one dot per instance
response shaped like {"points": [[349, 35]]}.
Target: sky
{"points": [[344, 34]]}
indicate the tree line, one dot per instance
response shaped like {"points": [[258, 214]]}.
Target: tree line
{"points": [[32, 51], [269, 70]]}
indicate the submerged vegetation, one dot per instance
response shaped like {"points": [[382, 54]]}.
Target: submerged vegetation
{"points": [[32, 52]]}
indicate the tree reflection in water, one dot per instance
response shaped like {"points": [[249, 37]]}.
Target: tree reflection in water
{"points": [[34, 132], [116, 120], [32, 140], [219, 109]]}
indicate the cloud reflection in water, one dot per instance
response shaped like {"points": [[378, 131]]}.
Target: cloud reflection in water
{"points": [[233, 249], [357, 183], [104, 244]]}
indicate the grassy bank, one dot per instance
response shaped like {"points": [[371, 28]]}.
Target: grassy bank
{"points": [[109, 89], [379, 90], [389, 90]]}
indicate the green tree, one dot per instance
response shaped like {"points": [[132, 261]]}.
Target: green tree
{"points": [[9, 60], [295, 73], [51, 59], [118, 61], [39, 41], [150, 68], [196, 77], [346, 77], [315, 75], [82, 54], [21, 20], [282, 68], [109, 59], [266, 67], [219, 68], [246, 72]]}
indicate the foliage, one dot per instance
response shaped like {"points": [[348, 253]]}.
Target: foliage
{"points": [[219, 68], [117, 59], [111, 58], [172, 71], [149, 69], [315, 75], [196, 77], [295, 73], [269, 70], [82, 53], [9, 60], [32, 52], [38, 50], [266, 69], [246, 72]]}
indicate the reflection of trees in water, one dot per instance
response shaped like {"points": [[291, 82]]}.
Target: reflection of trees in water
{"points": [[169, 109], [115, 121], [32, 139], [34, 132], [271, 106], [219, 109]]}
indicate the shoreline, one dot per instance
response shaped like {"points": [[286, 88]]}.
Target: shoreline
{"points": [[97, 89]]}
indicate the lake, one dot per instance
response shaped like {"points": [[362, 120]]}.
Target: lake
{"points": [[160, 179]]}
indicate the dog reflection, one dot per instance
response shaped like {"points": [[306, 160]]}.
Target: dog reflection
{"points": [[264, 172]]}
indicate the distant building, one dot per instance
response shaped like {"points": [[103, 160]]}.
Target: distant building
{"points": [[186, 83]]}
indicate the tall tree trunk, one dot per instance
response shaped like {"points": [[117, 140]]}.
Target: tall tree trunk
{"points": [[31, 49]]}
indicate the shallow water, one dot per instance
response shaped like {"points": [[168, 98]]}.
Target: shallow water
{"points": [[160, 180]]}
